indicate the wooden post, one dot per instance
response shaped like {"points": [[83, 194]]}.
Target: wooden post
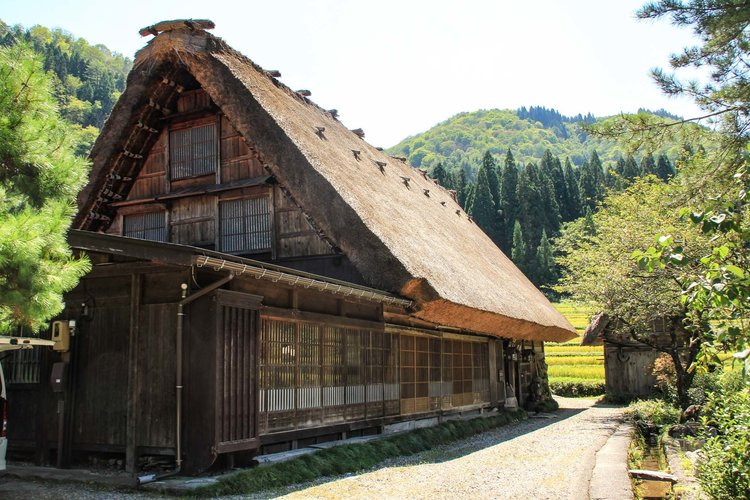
{"points": [[493, 371], [131, 456]]}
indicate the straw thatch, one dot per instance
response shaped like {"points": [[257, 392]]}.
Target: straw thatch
{"points": [[404, 233], [594, 334]]}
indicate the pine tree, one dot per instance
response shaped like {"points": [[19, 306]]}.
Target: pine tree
{"points": [[483, 205], [490, 166], [589, 226], [648, 165], [508, 209], [591, 183], [571, 183], [631, 170], [664, 169], [552, 168], [461, 187], [39, 179], [439, 174], [545, 270], [518, 254]]}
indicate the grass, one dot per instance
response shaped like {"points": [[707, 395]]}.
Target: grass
{"points": [[575, 370], [584, 371], [350, 458], [579, 359]]}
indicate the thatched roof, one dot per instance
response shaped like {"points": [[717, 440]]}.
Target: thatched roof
{"points": [[594, 334], [403, 232]]}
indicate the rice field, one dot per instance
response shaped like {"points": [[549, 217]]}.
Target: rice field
{"points": [[570, 362]]}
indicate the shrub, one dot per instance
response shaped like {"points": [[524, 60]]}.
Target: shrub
{"points": [[577, 388], [653, 412], [724, 471]]}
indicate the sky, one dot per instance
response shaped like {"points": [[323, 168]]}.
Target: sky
{"points": [[396, 68]]}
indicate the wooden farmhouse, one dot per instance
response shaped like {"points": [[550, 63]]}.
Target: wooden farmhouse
{"points": [[264, 279]]}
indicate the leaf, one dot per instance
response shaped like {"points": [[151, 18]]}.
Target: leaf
{"points": [[736, 271]]}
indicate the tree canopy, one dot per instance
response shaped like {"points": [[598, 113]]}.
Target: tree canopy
{"points": [[40, 177]]}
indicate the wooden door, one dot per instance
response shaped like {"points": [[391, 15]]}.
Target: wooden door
{"points": [[236, 427]]}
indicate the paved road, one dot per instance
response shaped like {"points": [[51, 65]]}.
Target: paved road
{"points": [[536, 459]]}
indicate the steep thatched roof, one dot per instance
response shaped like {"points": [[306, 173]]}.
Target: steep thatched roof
{"points": [[403, 232]]}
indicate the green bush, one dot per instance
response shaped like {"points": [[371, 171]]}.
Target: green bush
{"points": [[577, 388], [653, 412], [724, 471]]}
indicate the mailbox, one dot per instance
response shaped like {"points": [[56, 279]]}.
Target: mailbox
{"points": [[58, 377]]}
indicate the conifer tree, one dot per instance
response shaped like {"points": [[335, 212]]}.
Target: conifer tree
{"points": [[39, 179], [591, 182], [664, 169], [648, 165], [439, 174], [631, 169], [482, 207], [552, 168], [519, 254], [545, 270], [571, 183], [490, 166], [461, 187], [508, 202]]}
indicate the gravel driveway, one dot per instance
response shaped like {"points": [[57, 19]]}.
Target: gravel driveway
{"points": [[538, 458]]}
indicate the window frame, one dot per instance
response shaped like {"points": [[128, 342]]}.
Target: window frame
{"points": [[267, 196], [165, 227], [189, 126]]}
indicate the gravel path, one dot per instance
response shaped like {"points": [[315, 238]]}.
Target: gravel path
{"points": [[538, 458]]}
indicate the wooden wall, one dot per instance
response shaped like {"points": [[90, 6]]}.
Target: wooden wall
{"points": [[629, 371]]}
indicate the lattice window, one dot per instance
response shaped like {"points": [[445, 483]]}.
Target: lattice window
{"points": [[22, 366], [193, 151], [148, 226], [246, 225]]}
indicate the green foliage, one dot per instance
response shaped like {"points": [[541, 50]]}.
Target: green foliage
{"points": [[724, 471], [86, 79], [351, 458], [40, 177], [653, 412], [576, 388]]}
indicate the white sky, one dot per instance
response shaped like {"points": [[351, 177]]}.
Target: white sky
{"points": [[396, 68]]}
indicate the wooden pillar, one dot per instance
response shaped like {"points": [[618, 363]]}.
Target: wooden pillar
{"points": [[492, 363], [131, 456]]}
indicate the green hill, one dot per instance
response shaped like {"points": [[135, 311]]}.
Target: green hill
{"points": [[464, 138]]}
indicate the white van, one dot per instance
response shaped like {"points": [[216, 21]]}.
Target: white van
{"points": [[10, 344]]}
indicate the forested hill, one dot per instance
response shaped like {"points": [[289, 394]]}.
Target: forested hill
{"points": [[87, 79], [527, 132]]}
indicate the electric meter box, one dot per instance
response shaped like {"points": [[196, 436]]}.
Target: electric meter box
{"points": [[61, 336]]}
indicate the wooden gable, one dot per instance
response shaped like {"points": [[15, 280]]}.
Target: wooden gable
{"points": [[203, 184]]}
